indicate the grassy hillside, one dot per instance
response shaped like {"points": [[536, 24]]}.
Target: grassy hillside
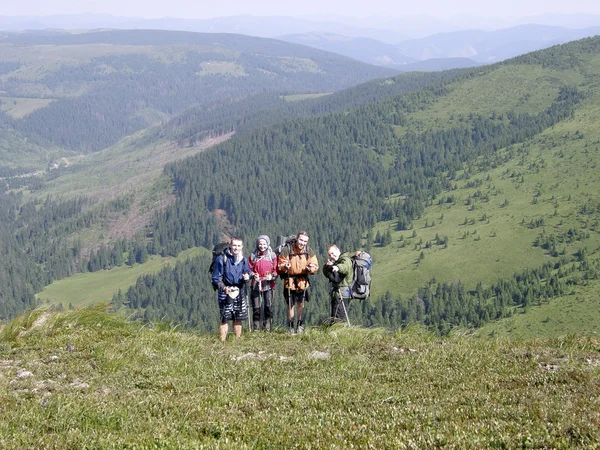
{"points": [[577, 312], [84, 92], [502, 207], [98, 287], [87, 379]]}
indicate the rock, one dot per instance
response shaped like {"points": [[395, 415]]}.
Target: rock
{"points": [[244, 357], [22, 373], [79, 385], [319, 355]]}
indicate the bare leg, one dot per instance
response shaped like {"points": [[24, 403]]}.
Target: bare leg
{"points": [[237, 328], [300, 310], [223, 329]]}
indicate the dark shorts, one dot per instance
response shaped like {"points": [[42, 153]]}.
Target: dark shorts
{"points": [[236, 309], [297, 296]]}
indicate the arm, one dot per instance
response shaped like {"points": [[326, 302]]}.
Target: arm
{"points": [[312, 264], [283, 262], [333, 276], [217, 275], [344, 266]]}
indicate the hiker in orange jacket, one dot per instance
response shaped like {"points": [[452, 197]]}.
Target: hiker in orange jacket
{"points": [[294, 264]]}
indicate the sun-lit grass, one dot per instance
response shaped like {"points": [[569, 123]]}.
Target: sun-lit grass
{"points": [[97, 287], [86, 379], [298, 97], [561, 316], [550, 178], [20, 107]]}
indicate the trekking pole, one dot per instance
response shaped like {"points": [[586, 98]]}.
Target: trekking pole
{"points": [[290, 310], [262, 312], [248, 305], [344, 306]]}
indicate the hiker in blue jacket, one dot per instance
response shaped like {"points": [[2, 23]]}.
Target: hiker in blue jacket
{"points": [[229, 276]]}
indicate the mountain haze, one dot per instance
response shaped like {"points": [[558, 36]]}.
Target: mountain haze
{"points": [[84, 92], [491, 46], [456, 182]]}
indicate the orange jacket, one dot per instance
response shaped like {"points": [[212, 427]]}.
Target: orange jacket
{"points": [[297, 272]]}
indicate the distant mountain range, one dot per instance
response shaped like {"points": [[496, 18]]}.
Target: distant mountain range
{"points": [[445, 50], [73, 91], [390, 30], [492, 46], [397, 43]]}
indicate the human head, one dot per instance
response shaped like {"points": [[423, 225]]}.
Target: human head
{"points": [[333, 252], [302, 240], [236, 244], [262, 243]]}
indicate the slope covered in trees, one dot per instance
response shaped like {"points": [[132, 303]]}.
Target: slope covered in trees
{"points": [[331, 175], [107, 85], [382, 167]]}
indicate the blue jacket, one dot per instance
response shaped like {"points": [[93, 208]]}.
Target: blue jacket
{"points": [[231, 273]]}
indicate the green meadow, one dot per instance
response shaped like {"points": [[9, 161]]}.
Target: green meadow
{"points": [[89, 288], [87, 379]]}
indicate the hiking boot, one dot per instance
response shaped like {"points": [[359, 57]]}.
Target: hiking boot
{"points": [[300, 329], [291, 330]]}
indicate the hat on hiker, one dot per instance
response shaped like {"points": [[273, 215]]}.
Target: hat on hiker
{"points": [[265, 238]]}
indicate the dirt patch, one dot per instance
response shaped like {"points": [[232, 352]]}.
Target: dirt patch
{"points": [[135, 220], [224, 223]]}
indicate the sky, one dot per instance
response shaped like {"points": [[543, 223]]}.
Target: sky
{"points": [[193, 9]]}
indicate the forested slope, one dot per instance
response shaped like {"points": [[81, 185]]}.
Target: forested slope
{"points": [[338, 175], [444, 185], [92, 89]]}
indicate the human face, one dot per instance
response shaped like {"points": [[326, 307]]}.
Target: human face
{"points": [[302, 242], [236, 247], [262, 245], [334, 254]]}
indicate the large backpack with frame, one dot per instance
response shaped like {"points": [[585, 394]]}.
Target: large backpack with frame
{"points": [[360, 288], [218, 250]]}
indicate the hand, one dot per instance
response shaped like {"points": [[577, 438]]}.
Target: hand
{"points": [[246, 276], [268, 277], [257, 277], [335, 269]]}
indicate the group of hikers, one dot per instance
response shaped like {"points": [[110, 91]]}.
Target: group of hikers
{"points": [[232, 272]]}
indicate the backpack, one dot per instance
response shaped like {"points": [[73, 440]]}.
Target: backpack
{"points": [[286, 242], [218, 250], [360, 288]]}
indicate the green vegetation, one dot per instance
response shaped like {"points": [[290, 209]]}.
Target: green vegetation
{"points": [[577, 312], [88, 379], [475, 204], [99, 85], [297, 97], [18, 108], [99, 287]]}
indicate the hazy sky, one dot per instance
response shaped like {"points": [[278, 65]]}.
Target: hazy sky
{"points": [[356, 8]]}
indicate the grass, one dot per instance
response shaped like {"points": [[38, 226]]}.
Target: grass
{"points": [[230, 68], [96, 287], [570, 314], [124, 167], [18, 108], [548, 178], [87, 379], [299, 97]]}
